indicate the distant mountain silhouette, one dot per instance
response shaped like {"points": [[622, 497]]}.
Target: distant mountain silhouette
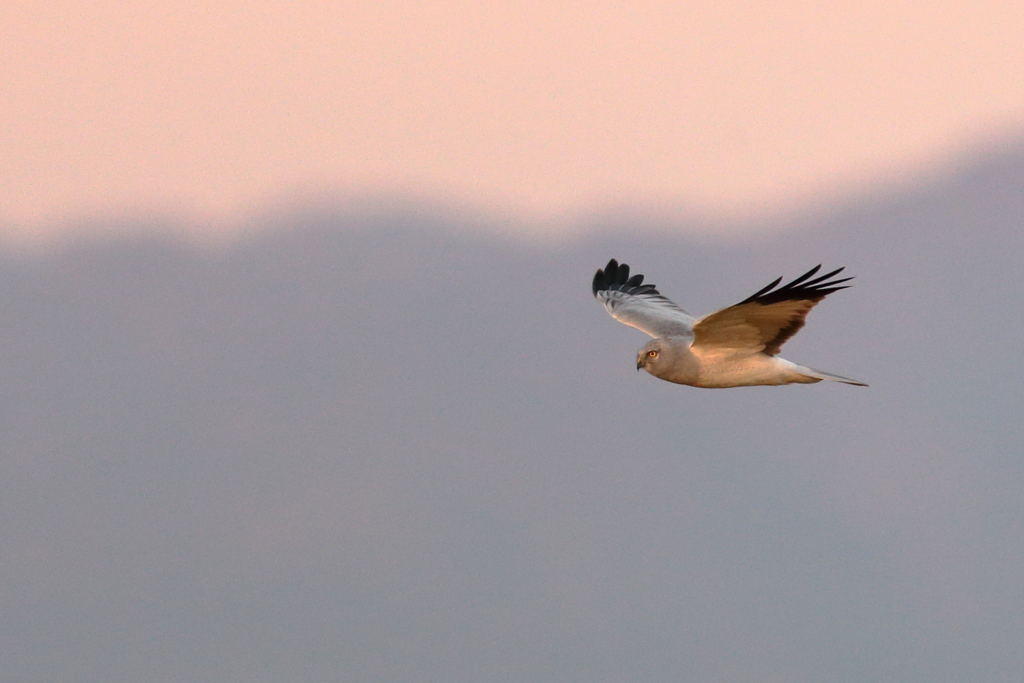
{"points": [[389, 447]]}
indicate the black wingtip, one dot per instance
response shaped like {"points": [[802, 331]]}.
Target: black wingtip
{"points": [[609, 276], [602, 276], [616, 276], [800, 288]]}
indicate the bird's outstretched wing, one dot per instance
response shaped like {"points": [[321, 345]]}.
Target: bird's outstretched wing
{"points": [[763, 322], [630, 301]]}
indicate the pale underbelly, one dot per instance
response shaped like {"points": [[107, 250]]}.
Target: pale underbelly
{"points": [[753, 370]]}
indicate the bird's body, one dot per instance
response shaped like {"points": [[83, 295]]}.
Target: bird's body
{"points": [[719, 370], [733, 347]]}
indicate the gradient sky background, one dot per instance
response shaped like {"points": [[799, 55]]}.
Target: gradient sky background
{"points": [[382, 438], [390, 448], [218, 111]]}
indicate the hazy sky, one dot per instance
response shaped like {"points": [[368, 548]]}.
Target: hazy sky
{"points": [[382, 448], [212, 109]]}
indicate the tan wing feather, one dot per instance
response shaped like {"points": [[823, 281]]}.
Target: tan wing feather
{"points": [[752, 326], [765, 321]]}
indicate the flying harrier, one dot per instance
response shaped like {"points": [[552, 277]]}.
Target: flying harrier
{"points": [[733, 347]]}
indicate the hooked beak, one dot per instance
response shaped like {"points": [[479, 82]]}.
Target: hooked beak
{"points": [[639, 363]]}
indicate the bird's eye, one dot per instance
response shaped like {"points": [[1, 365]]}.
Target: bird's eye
{"points": [[652, 354]]}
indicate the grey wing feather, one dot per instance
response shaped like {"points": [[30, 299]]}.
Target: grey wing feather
{"points": [[633, 303]]}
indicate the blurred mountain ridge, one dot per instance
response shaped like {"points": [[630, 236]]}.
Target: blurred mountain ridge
{"points": [[390, 445]]}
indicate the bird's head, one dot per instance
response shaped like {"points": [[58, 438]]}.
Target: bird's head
{"points": [[651, 356]]}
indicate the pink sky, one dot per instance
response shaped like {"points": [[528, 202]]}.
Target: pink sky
{"points": [[220, 110]]}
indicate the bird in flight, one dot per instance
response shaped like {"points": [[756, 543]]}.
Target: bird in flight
{"points": [[733, 347]]}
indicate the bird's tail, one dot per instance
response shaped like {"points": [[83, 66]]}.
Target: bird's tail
{"points": [[818, 374]]}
